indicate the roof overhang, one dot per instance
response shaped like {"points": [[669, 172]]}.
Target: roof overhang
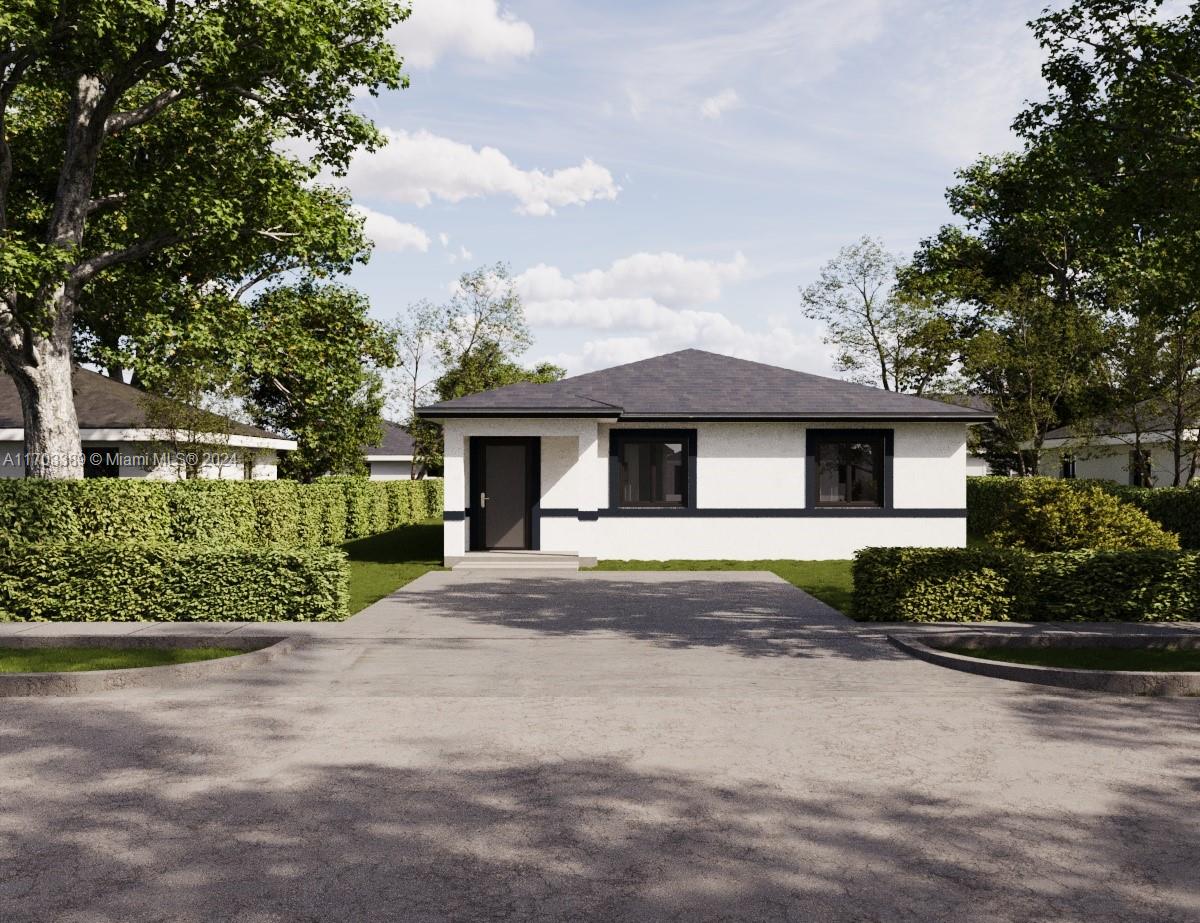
{"points": [[431, 413], [117, 434]]}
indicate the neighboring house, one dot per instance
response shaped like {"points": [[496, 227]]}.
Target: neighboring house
{"points": [[118, 441], [1081, 453], [696, 455], [392, 458]]}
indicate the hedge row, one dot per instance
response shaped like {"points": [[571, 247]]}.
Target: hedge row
{"points": [[97, 581], [1176, 509], [1002, 506], [980, 584], [284, 513]]}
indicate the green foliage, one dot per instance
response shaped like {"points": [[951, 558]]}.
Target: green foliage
{"points": [[212, 512], [1051, 514], [313, 373], [976, 584], [932, 585], [93, 581], [1176, 509], [260, 513], [1056, 515]]}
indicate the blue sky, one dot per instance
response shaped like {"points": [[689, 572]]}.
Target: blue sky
{"points": [[665, 174]]}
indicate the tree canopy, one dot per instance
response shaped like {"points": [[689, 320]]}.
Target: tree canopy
{"points": [[145, 182]]}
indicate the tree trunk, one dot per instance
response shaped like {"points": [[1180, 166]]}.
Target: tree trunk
{"points": [[52, 448]]}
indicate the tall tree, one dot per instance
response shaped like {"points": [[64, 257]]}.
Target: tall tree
{"points": [[471, 343], [882, 335], [131, 129], [315, 375], [1123, 110]]}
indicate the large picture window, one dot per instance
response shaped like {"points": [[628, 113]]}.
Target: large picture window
{"points": [[848, 468], [652, 468]]}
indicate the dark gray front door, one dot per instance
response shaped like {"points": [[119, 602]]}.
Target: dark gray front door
{"points": [[505, 500]]}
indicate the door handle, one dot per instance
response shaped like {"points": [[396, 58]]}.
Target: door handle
{"points": [[482, 500]]}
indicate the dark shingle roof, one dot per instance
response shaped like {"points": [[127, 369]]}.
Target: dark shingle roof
{"points": [[102, 403], [696, 384], [395, 441]]}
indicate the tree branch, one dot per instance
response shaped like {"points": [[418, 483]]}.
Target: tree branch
{"points": [[119, 121], [88, 269]]}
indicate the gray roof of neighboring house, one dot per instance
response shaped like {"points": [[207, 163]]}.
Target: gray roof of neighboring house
{"points": [[1153, 417], [103, 403], [694, 384], [395, 441]]}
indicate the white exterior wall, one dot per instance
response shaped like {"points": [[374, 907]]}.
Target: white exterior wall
{"points": [[390, 470], [1110, 462], [266, 463], [759, 467]]}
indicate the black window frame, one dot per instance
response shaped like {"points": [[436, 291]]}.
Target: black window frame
{"points": [[619, 437], [1066, 469], [109, 466], [813, 438]]}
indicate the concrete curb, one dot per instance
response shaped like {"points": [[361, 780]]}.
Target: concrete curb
{"points": [[1123, 682], [259, 649]]}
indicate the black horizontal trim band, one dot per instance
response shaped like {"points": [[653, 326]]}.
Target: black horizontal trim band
{"points": [[711, 417], [820, 512], [454, 515]]}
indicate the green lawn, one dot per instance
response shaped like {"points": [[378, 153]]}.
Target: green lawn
{"points": [[1088, 658], [381, 564], [829, 581], [74, 659]]}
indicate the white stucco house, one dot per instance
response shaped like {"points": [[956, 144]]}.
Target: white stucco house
{"points": [[119, 442], [1117, 454], [391, 459], [694, 455]]}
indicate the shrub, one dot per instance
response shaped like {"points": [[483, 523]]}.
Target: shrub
{"points": [[283, 513], [1048, 514], [932, 584], [215, 512], [1176, 509], [277, 512], [130, 581], [109, 508], [975, 584]]}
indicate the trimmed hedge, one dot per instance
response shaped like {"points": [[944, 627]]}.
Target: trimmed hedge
{"points": [[282, 513], [1051, 514], [131, 582], [1176, 509], [977, 584]]}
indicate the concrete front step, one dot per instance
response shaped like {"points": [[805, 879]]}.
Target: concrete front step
{"points": [[518, 561]]}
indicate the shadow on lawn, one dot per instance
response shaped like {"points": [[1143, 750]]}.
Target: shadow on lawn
{"points": [[414, 544], [109, 817]]}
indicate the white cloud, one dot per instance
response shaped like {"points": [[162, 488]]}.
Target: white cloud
{"points": [[652, 303], [715, 106], [390, 235], [444, 238], [778, 46], [477, 29], [416, 168], [650, 279]]}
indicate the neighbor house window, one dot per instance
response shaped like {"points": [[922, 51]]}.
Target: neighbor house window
{"points": [[101, 462], [1141, 469], [1068, 466], [848, 467], [652, 468]]}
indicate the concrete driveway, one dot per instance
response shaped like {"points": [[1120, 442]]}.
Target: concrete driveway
{"points": [[668, 746]]}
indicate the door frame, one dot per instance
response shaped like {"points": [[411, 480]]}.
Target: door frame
{"points": [[533, 489]]}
